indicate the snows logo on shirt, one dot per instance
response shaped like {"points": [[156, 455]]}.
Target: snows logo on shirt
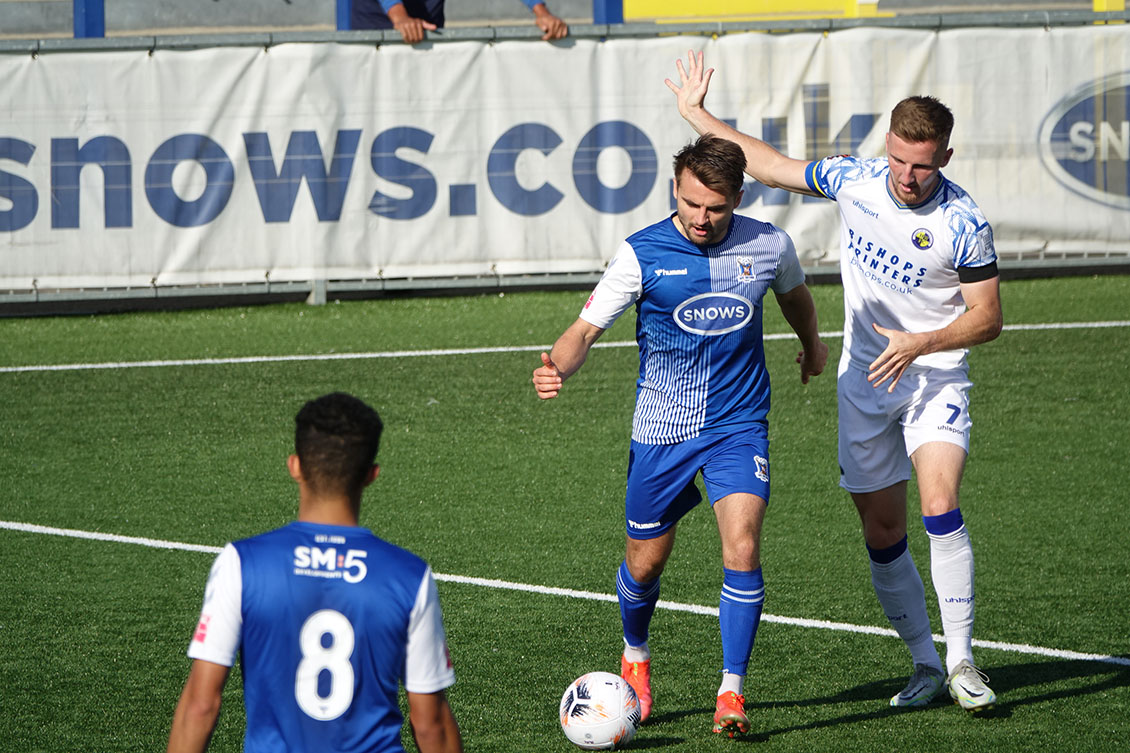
{"points": [[713, 313]]}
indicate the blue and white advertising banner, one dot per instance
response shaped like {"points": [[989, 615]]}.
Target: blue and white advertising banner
{"points": [[349, 161]]}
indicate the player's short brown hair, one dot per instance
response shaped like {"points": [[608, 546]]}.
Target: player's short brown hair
{"points": [[918, 119], [336, 438], [719, 163]]}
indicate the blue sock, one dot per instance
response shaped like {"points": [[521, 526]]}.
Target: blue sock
{"points": [[739, 612], [888, 555], [637, 603], [944, 524]]}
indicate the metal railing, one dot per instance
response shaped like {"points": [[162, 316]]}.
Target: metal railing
{"points": [[89, 17], [40, 301]]}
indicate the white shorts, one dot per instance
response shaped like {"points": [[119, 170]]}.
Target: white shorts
{"points": [[879, 431]]}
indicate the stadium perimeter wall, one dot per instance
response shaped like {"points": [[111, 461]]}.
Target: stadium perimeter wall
{"points": [[141, 171]]}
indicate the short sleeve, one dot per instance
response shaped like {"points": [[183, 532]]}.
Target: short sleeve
{"points": [[221, 619], [827, 176], [428, 667], [975, 247], [789, 272], [619, 288]]}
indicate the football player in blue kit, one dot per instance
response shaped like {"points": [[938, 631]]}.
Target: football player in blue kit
{"points": [[328, 619], [697, 279], [921, 287]]}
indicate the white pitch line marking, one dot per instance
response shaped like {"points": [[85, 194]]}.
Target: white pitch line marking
{"points": [[1019, 648], [445, 351]]}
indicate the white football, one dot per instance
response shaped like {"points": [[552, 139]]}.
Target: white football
{"points": [[599, 711]]}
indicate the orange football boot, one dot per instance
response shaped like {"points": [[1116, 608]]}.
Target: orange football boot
{"points": [[729, 714], [638, 675]]}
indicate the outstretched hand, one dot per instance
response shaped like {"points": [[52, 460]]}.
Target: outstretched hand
{"points": [[693, 83], [547, 379]]}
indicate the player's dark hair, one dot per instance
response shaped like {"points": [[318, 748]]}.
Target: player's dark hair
{"points": [[719, 163], [336, 438], [918, 119]]}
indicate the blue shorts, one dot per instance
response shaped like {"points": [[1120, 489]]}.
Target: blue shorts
{"points": [[661, 488]]}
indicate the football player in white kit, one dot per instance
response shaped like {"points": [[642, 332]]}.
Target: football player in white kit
{"points": [[328, 619], [697, 279], [920, 287]]}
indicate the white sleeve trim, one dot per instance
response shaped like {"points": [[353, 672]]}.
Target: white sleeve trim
{"points": [[427, 668], [217, 634], [619, 288]]}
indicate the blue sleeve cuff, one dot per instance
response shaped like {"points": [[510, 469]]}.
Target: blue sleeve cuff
{"points": [[810, 178]]}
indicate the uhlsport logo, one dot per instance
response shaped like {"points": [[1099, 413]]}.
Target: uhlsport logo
{"points": [[713, 313], [1085, 141]]}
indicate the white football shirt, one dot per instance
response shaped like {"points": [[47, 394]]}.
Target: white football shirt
{"points": [[902, 266]]}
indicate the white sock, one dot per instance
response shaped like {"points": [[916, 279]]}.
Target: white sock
{"points": [[951, 567], [637, 653], [731, 682], [903, 598]]}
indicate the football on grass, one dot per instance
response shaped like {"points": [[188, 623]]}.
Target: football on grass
{"points": [[599, 711]]}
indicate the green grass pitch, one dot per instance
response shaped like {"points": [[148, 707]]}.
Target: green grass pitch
{"points": [[484, 480]]}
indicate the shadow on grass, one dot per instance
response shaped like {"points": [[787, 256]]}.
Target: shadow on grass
{"points": [[1008, 681], [645, 743], [1037, 682], [1017, 685]]}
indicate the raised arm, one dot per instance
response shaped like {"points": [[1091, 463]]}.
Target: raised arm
{"points": [[763, 163], [566, 356], [799, 311]]}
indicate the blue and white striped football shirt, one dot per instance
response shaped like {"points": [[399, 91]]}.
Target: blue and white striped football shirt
{"points": [[702, 363]]}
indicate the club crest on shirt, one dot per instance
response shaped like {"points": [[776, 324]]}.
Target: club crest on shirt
{"points": [[745, 269], [762, 472], [922, 239]]}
